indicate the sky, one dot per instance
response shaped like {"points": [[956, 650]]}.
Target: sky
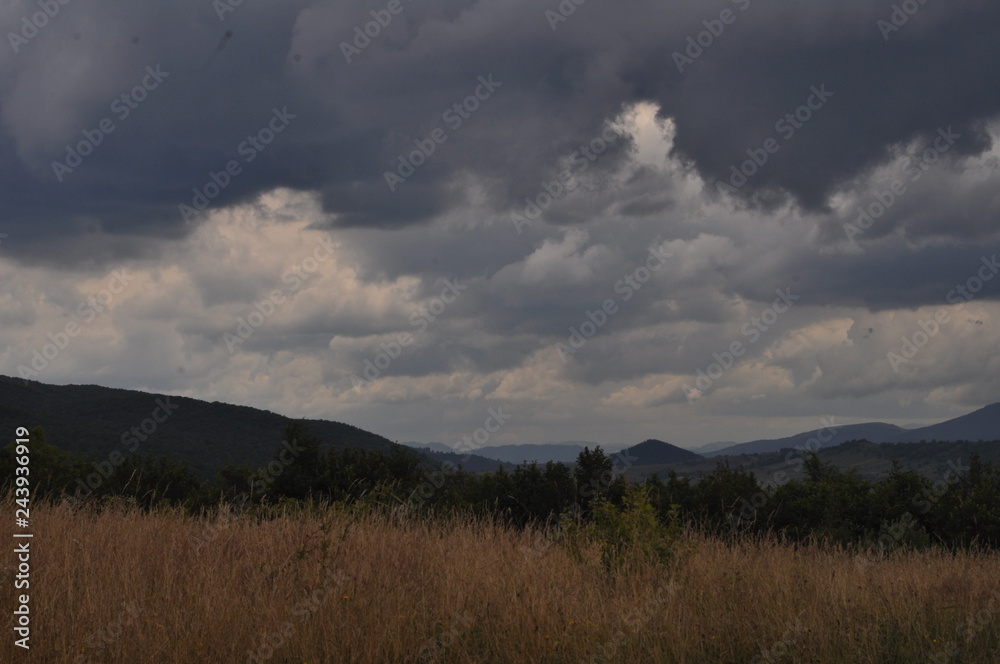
{"points": [[543, 221]]}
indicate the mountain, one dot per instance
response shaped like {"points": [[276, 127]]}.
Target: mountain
{"points": [[542, 453], [872, 461], [93, 421], [876, 432], [651, 452], [470, 463], [647, 452], [434, 447], [528, 453], [711, 447], [983, 424]]}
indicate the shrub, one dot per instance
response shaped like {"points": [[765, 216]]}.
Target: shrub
{"points": [[624, 534]]}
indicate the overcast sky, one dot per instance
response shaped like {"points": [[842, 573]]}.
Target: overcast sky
{"points": [[612, 220]]}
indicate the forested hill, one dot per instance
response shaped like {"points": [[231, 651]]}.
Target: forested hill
{"points": [[93, 421]]}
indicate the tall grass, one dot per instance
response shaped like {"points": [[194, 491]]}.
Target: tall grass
{"points": [[123, 586]]}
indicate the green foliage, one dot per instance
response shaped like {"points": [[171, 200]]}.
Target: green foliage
{"points": [[596, 478], [902, 533], [89, 421], [829, 505], [592, 504], [624, 534], [967, 511], [721, 496], [818, 471], [51, 470]]}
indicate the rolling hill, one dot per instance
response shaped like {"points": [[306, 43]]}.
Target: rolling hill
{"points": [[526, 453], [878, 432], [651, 452], [872, 461], [982, 424], [92, 420]]}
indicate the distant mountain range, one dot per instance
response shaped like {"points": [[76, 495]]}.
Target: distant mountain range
{"points": [[983, 424], [711, 447], [515, 454], [92, 420], [646, 452]]}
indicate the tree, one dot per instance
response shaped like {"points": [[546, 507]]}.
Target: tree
{"points": [[594, 475]]}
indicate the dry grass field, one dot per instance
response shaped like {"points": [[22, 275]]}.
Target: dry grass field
{"points": [[126, 587]]}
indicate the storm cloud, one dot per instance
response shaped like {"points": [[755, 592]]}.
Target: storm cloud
{"points": [[534, 153]]}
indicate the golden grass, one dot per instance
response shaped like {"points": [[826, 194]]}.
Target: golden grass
{"points": [[122, 586]]}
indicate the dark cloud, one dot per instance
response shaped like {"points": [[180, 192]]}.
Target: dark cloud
{"points": [[558, 88], [260, 102]]}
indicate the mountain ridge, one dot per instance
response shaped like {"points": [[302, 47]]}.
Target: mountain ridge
{"points": [[94, 420], [981, 424]]}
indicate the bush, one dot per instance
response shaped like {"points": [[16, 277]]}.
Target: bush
{"points": [[624, 534], [902, 533]]}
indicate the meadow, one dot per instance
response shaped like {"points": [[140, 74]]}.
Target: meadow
{"points": [[117, 584]]}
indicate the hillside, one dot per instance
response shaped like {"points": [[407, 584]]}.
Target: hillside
{"points": [[878, 432], [526, 453], [470, 463], [652, 451], [870, 460], [93, 420], [982, 424]]}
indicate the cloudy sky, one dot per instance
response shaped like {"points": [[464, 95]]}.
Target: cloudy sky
{"points": [[695, 221]]}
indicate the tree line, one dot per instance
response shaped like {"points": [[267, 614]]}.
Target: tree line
{"points": [[904, 509]]}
